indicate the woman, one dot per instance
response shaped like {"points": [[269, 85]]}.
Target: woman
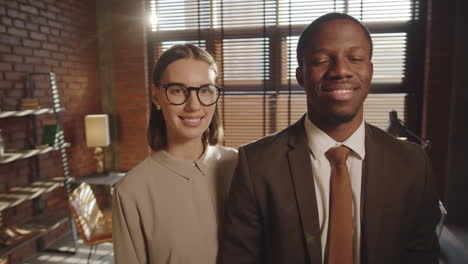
{"points": [[167, 208]]}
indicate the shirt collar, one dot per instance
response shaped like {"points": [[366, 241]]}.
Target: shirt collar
{"points": [[206, 160], [184, 168], [319, 142]]}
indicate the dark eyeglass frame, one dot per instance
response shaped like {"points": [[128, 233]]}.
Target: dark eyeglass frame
{"points": [[196, 89]]}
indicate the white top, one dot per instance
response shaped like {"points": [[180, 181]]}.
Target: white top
{"points": [[319, 143], [167, 210]]}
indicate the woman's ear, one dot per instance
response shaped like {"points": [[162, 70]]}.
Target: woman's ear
{"points": [[155, 95]]}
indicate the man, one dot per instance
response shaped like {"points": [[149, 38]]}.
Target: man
{"points": [[292, 202]]}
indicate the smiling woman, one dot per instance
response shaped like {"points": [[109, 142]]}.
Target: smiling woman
{"points": [[186, 117], [167, 208]]}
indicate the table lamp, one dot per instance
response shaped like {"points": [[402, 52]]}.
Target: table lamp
{"points": [[97, 135], [397, 128]]}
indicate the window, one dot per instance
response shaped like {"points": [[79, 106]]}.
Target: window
{"points": [[254, 43]]}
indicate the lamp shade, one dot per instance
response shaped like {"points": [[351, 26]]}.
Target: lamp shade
{"points": [[97, 130]]}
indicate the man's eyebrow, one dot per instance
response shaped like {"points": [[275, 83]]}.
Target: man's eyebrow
{"points": [[358, 48], [322, 50], [325, 50]]}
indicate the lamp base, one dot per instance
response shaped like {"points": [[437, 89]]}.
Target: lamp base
{"points": [[99, 157]]}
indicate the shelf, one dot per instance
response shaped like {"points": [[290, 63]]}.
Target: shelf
{"points": [[12, 156], [46, 222], [41, 225], [15, 236], [4, 114], [18, 195]]}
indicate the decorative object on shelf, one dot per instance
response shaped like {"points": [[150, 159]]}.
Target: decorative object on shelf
{"points": [[43, 146], [2, 144], [97, 135], [50, 134], [11, 235], [34, 228], [29, 104]]}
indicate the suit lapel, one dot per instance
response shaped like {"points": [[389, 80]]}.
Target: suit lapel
{"points": [[373, 197], [303, 182]]}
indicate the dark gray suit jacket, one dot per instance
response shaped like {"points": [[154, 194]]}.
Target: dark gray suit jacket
{"points": [[271, 215]]}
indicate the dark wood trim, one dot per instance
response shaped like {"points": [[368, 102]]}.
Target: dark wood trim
{"points": [[414, 76]]}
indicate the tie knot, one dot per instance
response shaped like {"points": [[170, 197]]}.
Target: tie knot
{"points": [[338, 155]]}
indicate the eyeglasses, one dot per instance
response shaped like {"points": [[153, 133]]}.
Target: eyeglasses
{"points": [[178, 94]]}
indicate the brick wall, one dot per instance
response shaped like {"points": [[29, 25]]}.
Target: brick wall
{"points": [[131, 87], [44, 36]]}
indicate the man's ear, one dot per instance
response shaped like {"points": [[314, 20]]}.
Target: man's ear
{"points": [[300, 76]]}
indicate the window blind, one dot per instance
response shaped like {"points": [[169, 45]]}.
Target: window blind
{"points": [[245, 61], [254, 44]]}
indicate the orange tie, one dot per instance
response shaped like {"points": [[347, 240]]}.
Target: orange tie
{"points": [[340, 225]]}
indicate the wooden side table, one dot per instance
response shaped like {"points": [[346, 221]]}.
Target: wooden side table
{"points": [[109, 179], [103, 186]]}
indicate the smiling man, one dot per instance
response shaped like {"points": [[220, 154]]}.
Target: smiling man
{"points": [[331, 188]]}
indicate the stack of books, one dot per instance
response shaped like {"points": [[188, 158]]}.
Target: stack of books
{"points": [[29, 104], [50, 135]]}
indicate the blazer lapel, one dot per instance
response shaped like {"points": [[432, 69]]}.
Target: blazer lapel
{"points": [[373, 197], [303, 182]]}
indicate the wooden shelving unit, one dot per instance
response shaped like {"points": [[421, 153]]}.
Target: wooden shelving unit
{"points": [[41, 224]]}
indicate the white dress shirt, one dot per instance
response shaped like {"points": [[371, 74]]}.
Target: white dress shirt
{"points": [[319, 143]]}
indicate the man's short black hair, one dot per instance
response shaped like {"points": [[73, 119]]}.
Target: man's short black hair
{"points": [[307, 34]]}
